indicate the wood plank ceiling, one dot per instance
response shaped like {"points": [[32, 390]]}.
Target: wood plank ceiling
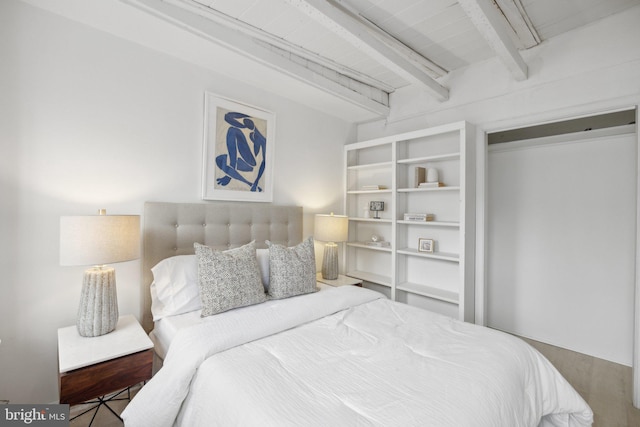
{"points": [[360, 51]]}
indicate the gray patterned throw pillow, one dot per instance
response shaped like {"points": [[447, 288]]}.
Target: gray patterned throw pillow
{"points": [[228, 279], [292, 271]]}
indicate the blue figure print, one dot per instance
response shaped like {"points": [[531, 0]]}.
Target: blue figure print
{"points": [[240, 158]]}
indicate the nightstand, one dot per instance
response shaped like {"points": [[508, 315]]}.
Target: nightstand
{"points": [[340, 281], [91, 367]]}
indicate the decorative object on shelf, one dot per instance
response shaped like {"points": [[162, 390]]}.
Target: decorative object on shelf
{"points": [[418, 217], [331, 229], [431, 185], [98, 240], [378, 242], [373, 187], [419, 176], [239, 142], [376, 207], [432, 175], [365, 212], [426, 245]]}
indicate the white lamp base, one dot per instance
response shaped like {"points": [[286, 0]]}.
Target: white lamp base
{"points": [[98, 310], [330, 262]]}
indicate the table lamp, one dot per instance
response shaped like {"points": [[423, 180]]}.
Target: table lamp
{"points": [[98, 240], [331, 229]]}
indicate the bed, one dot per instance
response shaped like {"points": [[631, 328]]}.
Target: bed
{"points": [[316, 355]]}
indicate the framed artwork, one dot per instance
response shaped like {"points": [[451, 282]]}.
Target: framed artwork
{"points": [[239, 143], [425, 245]]}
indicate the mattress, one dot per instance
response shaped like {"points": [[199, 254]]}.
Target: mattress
{"points": [[165, 329]]}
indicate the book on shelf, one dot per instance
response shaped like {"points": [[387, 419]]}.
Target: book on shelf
{"points": [[378, 244], [430, 185], [419, 217], [374, 187], [419, 176]]}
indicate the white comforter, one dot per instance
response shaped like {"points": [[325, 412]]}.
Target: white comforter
{"points": [[346, 357]]}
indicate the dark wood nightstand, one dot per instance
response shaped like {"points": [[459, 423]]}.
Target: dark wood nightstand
{"points": [[91, 367]]}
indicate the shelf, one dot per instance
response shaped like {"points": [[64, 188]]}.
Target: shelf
{"points": [[386, 220], [380, 165], [373, 248], [370, 277], [451, 224], [442, 281], [430, 291], [419, 190], [387, 190], [438, 158], [444, 256]]}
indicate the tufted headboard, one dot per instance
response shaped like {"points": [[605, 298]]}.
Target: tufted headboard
{"points": [[171, 229]]}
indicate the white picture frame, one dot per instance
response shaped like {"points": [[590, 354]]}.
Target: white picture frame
{"points": [[425, 245], [238, 151]]}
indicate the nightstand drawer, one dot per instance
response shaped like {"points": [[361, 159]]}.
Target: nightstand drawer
{"points": [[87, 383]]}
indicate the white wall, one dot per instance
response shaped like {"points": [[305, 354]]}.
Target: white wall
{"points": [[91, 121], [586, 71]]}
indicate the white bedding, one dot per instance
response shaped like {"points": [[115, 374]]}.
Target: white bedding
{"points": [[348, 357], [165, 330]]}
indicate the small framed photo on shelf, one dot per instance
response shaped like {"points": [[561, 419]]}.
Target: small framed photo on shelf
{"points": [[425, 245], [376, 207]]}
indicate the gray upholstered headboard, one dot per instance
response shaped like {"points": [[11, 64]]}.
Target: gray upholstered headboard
{"points": [[172, 228]]}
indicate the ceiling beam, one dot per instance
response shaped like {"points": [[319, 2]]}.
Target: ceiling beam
{"points": [[488, 19], [233, 23], [351, 28], [357, 93], [524, 31], [433, 69]]}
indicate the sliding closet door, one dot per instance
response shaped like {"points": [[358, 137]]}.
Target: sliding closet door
{"points": [[561, 242]]}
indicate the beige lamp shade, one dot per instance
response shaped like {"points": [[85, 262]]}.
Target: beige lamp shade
{"points": [[331, 228], [99, 239]]}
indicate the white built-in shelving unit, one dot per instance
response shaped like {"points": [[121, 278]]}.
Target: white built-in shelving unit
{"points": [[442, 280]]}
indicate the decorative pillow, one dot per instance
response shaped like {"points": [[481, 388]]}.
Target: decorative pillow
{"points": [[175, 286], [292, 271], [263, 265], [228, 279]]}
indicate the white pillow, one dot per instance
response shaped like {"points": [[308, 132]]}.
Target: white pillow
{"points": [[175, 286]]}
